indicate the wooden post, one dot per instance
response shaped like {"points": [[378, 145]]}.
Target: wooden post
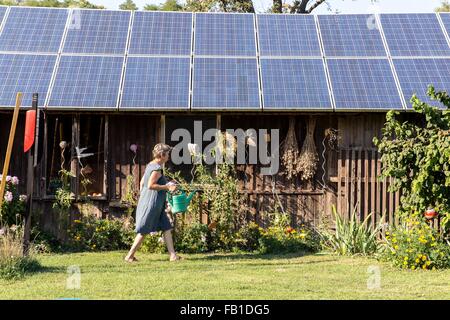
{"points": [[33, 158], [12, 134], [106, 190]]}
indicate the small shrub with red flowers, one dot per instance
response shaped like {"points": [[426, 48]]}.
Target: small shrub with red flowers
{"points": [[415, 245], [13, 206], [280, 237]]}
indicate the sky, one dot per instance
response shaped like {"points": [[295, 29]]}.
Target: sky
{"points": [[344, 6]]}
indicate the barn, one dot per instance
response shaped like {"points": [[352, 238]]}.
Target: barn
{"points": [[108, 80]]}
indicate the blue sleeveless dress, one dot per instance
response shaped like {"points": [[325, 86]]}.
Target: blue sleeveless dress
{"points": [[150, 211]]}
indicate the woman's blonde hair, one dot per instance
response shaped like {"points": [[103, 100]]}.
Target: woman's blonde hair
{"points": [[160, 149]]}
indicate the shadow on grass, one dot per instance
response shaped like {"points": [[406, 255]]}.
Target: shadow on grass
{"points": [[259, 256], [18, 270]]}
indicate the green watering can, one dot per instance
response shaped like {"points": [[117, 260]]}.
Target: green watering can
{"points": [[180, 201]]}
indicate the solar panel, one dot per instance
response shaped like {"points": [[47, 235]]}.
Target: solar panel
{"points": [[97, 31], [33, 30], [224, 34], [363, 84], [87, 81], [351, 36], [288, 35], [156, 83], [414, 35], [2, 12], [446, 20], [225, 83], [415, 75], [161, 33], [27, 74], [294, 84]]}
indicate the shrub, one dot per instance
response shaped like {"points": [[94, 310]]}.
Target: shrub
{"points": [[154, 243], [280, 237], [13, 206], [192, 238], [351, 236], [44, 242], [92, 234], [415, 153], [13, 264], [415, 245], [247, 238]]}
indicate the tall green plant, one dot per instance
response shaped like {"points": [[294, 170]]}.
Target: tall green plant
{"points": [[417, 155], [351, 236]]}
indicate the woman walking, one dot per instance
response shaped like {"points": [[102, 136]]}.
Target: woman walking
{"points": [[150, 212]]}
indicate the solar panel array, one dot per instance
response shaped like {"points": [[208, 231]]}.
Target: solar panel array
{"points": [[82, 59], [97, 32]]}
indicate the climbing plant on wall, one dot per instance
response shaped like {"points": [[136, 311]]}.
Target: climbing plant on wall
{"points": [[416, 152]]}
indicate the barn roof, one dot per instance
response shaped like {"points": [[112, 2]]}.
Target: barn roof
{"points": [[82, 59]]}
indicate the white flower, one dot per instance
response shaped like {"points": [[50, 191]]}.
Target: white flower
{"points": [[23, 197], [193, 149], [9, 196], [15, 180]]}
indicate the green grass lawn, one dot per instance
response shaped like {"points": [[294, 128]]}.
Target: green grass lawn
{"points": [[223, 276]]}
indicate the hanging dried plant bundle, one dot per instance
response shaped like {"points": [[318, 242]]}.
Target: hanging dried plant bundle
{"points": [[290, 152], [308, 160]]}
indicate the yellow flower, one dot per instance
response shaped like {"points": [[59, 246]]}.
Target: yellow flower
{"points": [[387, 237], [424, 267], [417, 260], [413, 267], [396, 247], [405, 258], [424, 258], [428, 263]]}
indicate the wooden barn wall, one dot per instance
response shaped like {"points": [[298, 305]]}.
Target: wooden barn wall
{"points": [[349, 180], [359, 190], [125, 130], [307, 203], [18, 163]]}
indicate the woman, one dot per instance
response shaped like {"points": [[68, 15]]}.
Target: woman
{"points": [[150, 212]]}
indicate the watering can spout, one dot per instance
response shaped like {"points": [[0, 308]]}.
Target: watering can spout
{"points": [[189, 197]]}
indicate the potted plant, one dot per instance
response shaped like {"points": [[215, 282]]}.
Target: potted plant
{"points": [[430, 213]]}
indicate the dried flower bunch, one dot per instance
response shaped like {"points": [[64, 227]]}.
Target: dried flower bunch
{"points": [[308, 160], [290, 152]]}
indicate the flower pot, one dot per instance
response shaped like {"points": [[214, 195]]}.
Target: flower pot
{"points": [[430, 214]]}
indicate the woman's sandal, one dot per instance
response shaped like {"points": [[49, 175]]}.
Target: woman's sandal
{"points": [[131, 260], [177, 258]]}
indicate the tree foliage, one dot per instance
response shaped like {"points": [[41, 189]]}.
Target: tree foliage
{"points": [[169, 5], [444, 7], [278, 6], [52, 3], [128, 5], [416, 153]]}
